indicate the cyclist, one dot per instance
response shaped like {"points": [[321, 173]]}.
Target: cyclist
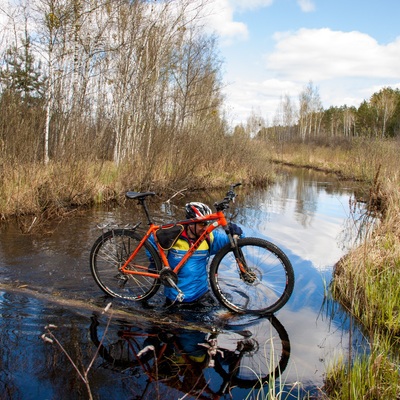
{"points": [[192, 277]]}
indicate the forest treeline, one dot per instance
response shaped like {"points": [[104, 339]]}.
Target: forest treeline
{"points": [[375, 118], [140, 81]]}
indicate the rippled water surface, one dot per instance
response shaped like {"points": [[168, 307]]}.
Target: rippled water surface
{"points": [[45, 279]]}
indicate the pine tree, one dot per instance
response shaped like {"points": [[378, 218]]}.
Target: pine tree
{"points": [[20, 75]]}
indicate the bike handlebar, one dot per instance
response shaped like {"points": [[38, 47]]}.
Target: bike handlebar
{"points": [[230, 196]]}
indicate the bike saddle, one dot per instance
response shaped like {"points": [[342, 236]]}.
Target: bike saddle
{"points": [[138, 195]]}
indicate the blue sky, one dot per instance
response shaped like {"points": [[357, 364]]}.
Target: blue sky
{"points": [[348, 49]]}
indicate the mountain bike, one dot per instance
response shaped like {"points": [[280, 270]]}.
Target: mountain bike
{"points": [[248, 275]]}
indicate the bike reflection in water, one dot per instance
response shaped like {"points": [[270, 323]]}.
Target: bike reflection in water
{"points": [[203, 364]]}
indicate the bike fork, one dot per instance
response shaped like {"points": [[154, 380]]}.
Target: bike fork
{"points": [[239, 257], [246, 273]]}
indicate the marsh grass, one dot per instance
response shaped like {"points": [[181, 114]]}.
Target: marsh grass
{"points": [[35, 194], [367, 281], [357, 159], [370, 376]]}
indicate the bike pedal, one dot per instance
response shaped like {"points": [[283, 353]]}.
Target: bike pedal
{"points": [[180, 297]]}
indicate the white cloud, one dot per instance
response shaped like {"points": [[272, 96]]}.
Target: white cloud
{"points": [[346, 67], [323, 54], [306, 5], [263, 97], [219, 18]]}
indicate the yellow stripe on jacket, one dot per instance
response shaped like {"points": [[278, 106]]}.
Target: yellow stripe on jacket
{"points": [[182, 244]]}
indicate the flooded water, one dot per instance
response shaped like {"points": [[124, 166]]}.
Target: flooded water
{"points": [[45, 281]]}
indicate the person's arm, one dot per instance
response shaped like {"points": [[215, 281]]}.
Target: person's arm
{"points": [[220, 239]]}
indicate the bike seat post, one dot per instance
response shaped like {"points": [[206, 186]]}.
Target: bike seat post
{"points": [[146, 210]]}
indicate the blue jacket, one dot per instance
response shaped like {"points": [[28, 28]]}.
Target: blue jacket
{"points": [[192, 277]]}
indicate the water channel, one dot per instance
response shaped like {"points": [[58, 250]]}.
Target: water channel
{"points": [[45, 279]]}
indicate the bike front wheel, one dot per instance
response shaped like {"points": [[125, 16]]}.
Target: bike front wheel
{"points": [[110, 252], [266, 285]]}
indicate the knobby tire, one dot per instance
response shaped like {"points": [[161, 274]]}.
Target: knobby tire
{"points": [[108, 255], [266, 288]]}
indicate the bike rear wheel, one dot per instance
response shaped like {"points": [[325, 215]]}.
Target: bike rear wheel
{"points": [[108, 255], [263, 289]]}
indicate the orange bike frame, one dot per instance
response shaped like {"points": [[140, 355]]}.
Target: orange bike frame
{"points": [[217, 219]]}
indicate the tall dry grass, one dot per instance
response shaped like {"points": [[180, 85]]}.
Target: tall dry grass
{"points": [[358, 158], [367, 281], [35, 193]]}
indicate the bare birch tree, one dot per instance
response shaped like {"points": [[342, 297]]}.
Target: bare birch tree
{"points": [[385, 102], [310, 112]]}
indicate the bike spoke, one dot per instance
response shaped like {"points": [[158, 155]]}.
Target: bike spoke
{"points": [[264, 285], [110, 254]]}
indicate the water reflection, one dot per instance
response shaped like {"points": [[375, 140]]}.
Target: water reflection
{"points": [[29, 369], [308, 218], [211, 363], [224, 359]]}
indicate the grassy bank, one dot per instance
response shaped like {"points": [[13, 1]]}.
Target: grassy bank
{"points": [[366, 281], [358, 159]]}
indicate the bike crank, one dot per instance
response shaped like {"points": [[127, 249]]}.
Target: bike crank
{"points": [[170, 279]]}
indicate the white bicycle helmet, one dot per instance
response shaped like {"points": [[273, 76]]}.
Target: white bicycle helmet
{"points": [[195, 210]]}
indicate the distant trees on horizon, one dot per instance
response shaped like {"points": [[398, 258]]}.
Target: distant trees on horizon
{"points": [[378, 117]]}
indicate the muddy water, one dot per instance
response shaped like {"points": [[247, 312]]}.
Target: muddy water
{"points": [[45, 279]]}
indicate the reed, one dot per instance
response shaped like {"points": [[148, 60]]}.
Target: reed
{"points": [[357, 159], [367, 280], [370, 376]]}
